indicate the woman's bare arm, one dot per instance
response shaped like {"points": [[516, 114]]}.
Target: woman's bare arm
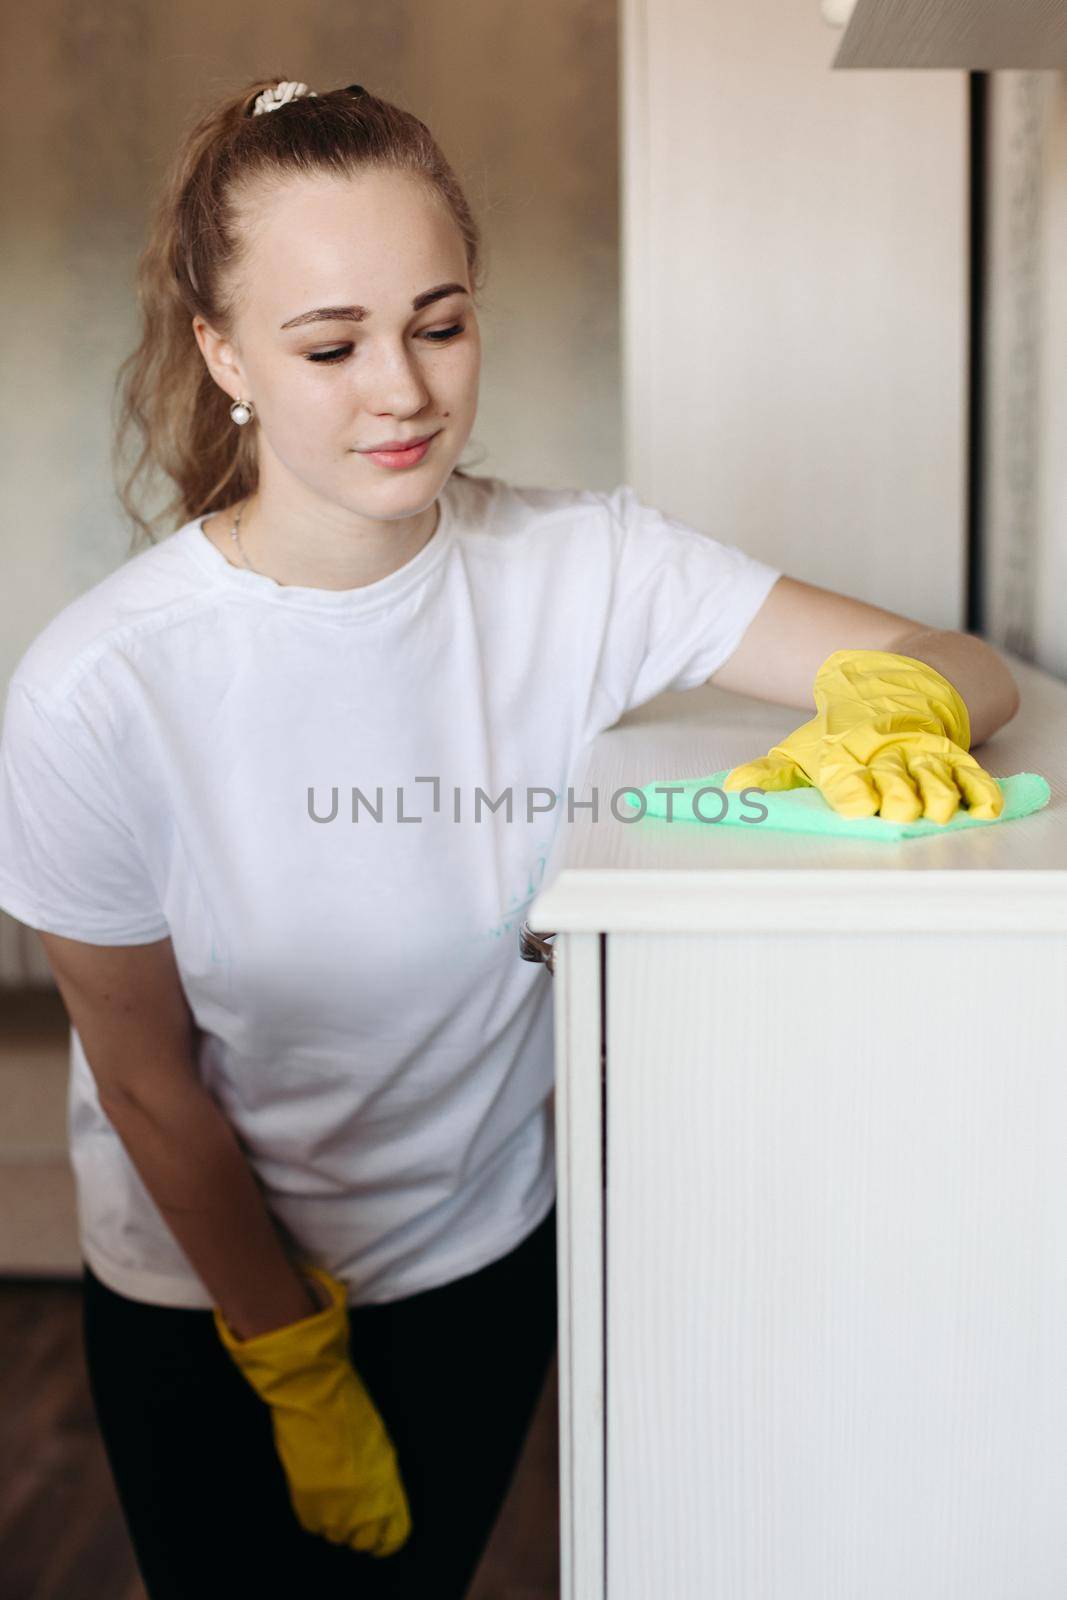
{"points": [[799, 625], [139, 1036]]}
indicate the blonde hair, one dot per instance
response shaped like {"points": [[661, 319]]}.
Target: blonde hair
{"points": [[190, 266]]}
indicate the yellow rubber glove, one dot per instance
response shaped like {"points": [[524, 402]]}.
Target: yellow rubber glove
{"points": [[890, 734], [344, 1480]]}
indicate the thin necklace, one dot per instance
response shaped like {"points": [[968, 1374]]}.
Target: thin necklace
{"points": [[241, 549], [236, 539]]}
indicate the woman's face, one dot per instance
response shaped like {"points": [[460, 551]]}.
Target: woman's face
{"points": [[327, 388]]}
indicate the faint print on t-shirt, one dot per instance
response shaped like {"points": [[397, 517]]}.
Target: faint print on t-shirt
{"points": [[525, 889]]}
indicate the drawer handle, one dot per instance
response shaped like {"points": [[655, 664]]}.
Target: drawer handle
{"points": [[536, 946]]}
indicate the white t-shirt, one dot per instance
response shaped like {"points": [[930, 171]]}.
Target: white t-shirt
{"points": [[368, 1025]]}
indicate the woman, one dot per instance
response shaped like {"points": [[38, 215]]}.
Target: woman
{"points": [[247, 797]]}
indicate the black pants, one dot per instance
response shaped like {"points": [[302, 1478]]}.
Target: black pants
{"points": [[456, 1373]]}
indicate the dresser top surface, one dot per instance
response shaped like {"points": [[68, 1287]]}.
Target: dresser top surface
{"points": [[684, 736]]}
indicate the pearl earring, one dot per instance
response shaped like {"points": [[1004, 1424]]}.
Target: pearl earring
{"points": [[242, 411]]}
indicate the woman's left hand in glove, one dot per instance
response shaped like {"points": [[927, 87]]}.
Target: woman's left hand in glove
{"points": [[890, 735]]}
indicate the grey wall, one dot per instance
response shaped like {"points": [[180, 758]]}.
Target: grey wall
{"points": [[1026, 501]]}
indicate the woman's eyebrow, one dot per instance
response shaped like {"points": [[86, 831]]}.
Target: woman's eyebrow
{"points": [[358, 313]]}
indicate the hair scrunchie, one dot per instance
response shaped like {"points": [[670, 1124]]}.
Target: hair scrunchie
{"points": [[280, 95]]}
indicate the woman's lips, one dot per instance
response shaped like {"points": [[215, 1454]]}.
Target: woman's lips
{"points": [[401, 458]]}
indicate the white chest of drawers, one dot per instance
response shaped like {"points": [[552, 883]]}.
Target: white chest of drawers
{"points": [[811, 1118]]}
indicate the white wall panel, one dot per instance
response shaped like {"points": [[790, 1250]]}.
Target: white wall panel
{"points": [[794, 297]]}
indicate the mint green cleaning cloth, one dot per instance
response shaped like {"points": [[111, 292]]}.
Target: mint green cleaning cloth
{"points": [[805, 810]]}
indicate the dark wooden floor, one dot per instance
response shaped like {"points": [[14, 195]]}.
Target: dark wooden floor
{"points": [[62, 1536]]}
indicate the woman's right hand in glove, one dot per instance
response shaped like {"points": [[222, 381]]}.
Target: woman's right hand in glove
{"points": [[341, 1465]]}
